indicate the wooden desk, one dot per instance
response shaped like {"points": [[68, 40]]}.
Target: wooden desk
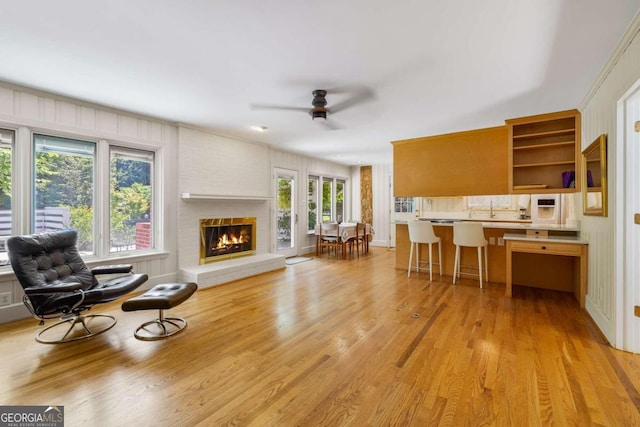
{"points": [[552, 245]]}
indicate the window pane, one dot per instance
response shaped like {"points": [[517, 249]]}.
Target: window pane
{"points": [[501, 201], [131, 215], [64, 170], [312, 202], [6, 142], [327, 184], [403, 205], [340, 200]]}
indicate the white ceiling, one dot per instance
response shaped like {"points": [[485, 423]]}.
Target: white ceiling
{"points": [[431, 66]]}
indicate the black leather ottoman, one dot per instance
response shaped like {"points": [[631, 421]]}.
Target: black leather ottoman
{"points": [[160, 297]]}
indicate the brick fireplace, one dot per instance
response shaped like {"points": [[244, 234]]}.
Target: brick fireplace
{"points": [[193, 209]]}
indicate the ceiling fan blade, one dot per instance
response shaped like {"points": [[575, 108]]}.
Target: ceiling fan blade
{"points": [[362, 95], [278, 107], [330, 125]]}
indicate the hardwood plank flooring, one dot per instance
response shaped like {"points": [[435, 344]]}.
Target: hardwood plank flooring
{"points": [[336, 342]]}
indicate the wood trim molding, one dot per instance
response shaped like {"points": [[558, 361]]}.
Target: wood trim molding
{"points": [[628, 38], [366, 194]]}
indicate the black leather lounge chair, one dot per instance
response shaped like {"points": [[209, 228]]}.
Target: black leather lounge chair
{"points": [[58, 284]]}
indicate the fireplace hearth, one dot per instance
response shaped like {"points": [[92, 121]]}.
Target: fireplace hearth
{"points": [[224, 238]]}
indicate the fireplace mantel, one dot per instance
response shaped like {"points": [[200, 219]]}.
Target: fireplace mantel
{"points": [[193, 197]]}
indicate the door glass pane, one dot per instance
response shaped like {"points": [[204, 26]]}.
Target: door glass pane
{"points": [[6, 142], [312, 202], [64, 170], [340, 200], [284, 215], [327, 184], [131, 200]]}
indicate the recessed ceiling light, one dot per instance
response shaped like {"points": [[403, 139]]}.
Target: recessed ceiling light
{"points": [[260, 128]]}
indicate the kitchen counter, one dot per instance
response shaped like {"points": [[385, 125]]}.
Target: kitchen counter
{"points": [[528, 269]]}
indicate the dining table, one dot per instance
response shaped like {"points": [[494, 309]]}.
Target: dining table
{"points": [[346, 232]]}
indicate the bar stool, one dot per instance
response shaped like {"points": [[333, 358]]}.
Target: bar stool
{"points": [[470, 234], [422, 232]]}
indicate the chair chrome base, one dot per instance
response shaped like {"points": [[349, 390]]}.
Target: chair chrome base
{"points": [[75, 334], [166, 327]]}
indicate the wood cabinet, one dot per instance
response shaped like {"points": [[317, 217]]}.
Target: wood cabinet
{"points": [[541, 148], [456, 164]]}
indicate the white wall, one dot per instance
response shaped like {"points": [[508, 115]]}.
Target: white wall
{"points": [[605, 302], [217, 165], [382, 199], [212, 164], [381, 174], [27, 110]]}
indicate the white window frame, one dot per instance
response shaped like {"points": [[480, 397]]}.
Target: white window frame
{"points": [[22, 189]]}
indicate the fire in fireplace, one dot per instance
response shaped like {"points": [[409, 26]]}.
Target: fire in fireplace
{"points": [[223, 238]]}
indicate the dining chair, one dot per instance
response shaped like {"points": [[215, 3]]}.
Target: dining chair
{"points": [[328, 238], [362, 239], [348, 238]]}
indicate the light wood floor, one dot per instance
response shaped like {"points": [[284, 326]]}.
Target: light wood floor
{"points": [[332, 343]]}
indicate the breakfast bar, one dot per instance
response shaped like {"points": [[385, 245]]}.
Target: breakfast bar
{"points": [[547, 256]]}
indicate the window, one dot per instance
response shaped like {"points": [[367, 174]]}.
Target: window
{"points": [[486, 202], [6, 144], [312, 202], [131, 204], [403, 205], [103, 190], [64, 187], [332, 200]]}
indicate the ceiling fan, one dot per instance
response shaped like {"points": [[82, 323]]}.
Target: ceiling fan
{"points": [[319, 109]]}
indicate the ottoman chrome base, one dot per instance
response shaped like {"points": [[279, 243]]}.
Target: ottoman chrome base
{"points": [[160, 297]]}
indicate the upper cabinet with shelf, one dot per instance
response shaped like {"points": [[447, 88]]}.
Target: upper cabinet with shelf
{"points": [[541, 149]]}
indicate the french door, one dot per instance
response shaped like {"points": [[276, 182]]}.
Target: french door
{"points": [[628, 214], [286, 216]]}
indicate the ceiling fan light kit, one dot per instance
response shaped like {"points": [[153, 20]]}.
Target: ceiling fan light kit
{"points": [[319, 103], [318, 114]]}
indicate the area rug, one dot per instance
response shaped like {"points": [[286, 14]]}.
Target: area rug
{"points": [[296, 260]]}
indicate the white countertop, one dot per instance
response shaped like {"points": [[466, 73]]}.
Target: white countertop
{"points": [[548, 239], [513, 225]]}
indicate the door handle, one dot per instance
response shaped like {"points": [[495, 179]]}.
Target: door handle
{"points": [[296, 218], [636, 218]]}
